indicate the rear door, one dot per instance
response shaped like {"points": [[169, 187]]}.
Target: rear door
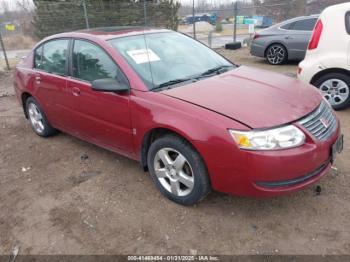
{"points": [[50, 82], [101, 117], [298, 36]]}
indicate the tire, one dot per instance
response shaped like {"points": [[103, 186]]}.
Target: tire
{"points": [[335, 87], [233, 46], [38, 119], [276, 54], [182, 164]]}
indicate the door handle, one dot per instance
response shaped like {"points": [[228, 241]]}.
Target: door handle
{"points": [[38, 79], [288, 37], [76, 91]]}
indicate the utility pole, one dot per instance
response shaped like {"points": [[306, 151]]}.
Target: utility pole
{"points": [[86, 15], [4, 51], [235, 21], [145, 11], [193, 20]]}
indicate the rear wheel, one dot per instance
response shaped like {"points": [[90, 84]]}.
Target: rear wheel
{"points": [[38, 120], [276, 54], [177, 170], [335, 87]]}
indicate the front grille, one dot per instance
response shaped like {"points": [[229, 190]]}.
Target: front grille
{"points": [[321, 123]]}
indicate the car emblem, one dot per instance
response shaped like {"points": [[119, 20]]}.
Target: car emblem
{"points": [[324, 122]]}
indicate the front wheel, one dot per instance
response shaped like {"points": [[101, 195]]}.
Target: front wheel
{"points": [[335, 87], [177, 170]]}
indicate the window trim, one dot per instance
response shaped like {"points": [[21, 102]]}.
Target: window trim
{"points": [[70, 66], [42, 54], [347, 21], [34, 53]]}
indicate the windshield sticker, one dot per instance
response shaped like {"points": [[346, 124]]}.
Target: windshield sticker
{"points": [[141, 56]]}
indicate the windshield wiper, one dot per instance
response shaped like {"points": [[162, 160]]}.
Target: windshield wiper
{"points": [[171, 82], [216, 70]]}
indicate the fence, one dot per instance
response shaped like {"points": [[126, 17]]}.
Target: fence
{"points": [[47, 18], [214, 26], [236, 23]]}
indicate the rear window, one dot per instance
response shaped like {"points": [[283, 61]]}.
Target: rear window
{"points": [[304, 25], [347, 22]]}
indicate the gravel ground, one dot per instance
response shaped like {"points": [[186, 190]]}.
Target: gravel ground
{"points": [[65, 196]]}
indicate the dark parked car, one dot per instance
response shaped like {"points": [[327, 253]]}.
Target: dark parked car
{"points": [[193, 119], [285, 41]]}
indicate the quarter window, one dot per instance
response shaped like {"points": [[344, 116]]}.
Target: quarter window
{"points": [[54, 58], [91, 63], [304, 25], [287, 26], [38, 57]]}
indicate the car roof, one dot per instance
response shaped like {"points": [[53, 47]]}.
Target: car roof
{"points": [[338, 7], [292, 20], [107, 33], [299, 18]]}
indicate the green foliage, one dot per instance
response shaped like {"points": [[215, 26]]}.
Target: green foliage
{"points": [[52, 16]]}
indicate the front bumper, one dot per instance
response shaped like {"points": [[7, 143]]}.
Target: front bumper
{"points": [[294, 181], [268, 173]]}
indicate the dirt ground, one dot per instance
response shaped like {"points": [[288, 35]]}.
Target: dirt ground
{"points": [[65, 196]]}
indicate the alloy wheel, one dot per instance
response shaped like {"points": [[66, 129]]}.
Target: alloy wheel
{"points": [[335, 91], [174, 172], [276, 55], [36, 118]]}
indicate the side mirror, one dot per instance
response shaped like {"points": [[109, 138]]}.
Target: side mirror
{"points": [[109, 85]]}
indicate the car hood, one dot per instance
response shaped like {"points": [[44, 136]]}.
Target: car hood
{"points": [[257, 98]]}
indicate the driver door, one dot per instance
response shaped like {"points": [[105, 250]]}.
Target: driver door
{"points": [[100, 117]]}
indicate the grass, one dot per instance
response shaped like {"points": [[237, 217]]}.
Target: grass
{"points": [[13, 62], [18, 41]]}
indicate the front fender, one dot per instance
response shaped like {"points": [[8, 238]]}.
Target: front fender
{"points": [[151, 110]]}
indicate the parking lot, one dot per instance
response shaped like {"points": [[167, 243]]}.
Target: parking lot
{"points": [[64, 196]]}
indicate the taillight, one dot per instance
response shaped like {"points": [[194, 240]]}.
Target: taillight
{"points": [[316, 35], [299, 70], [256, 36]]}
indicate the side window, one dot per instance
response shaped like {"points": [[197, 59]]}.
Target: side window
{"points": [[288, 26], [347, 22], [38, 57], [91, 63], [54, 59], [304, 25]]}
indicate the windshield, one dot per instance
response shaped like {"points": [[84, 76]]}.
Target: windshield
{"points": [[167, 58]]}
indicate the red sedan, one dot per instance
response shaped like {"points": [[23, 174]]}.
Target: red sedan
{"points": [[193, 119]]}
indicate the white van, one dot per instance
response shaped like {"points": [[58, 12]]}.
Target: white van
{"points": [[327, 61]]}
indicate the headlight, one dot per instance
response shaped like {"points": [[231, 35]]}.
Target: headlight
{"points": [[273, 139]]}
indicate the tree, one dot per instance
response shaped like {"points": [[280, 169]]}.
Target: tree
{"points": [[317, 6], [52, 16], [281, 9]]}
